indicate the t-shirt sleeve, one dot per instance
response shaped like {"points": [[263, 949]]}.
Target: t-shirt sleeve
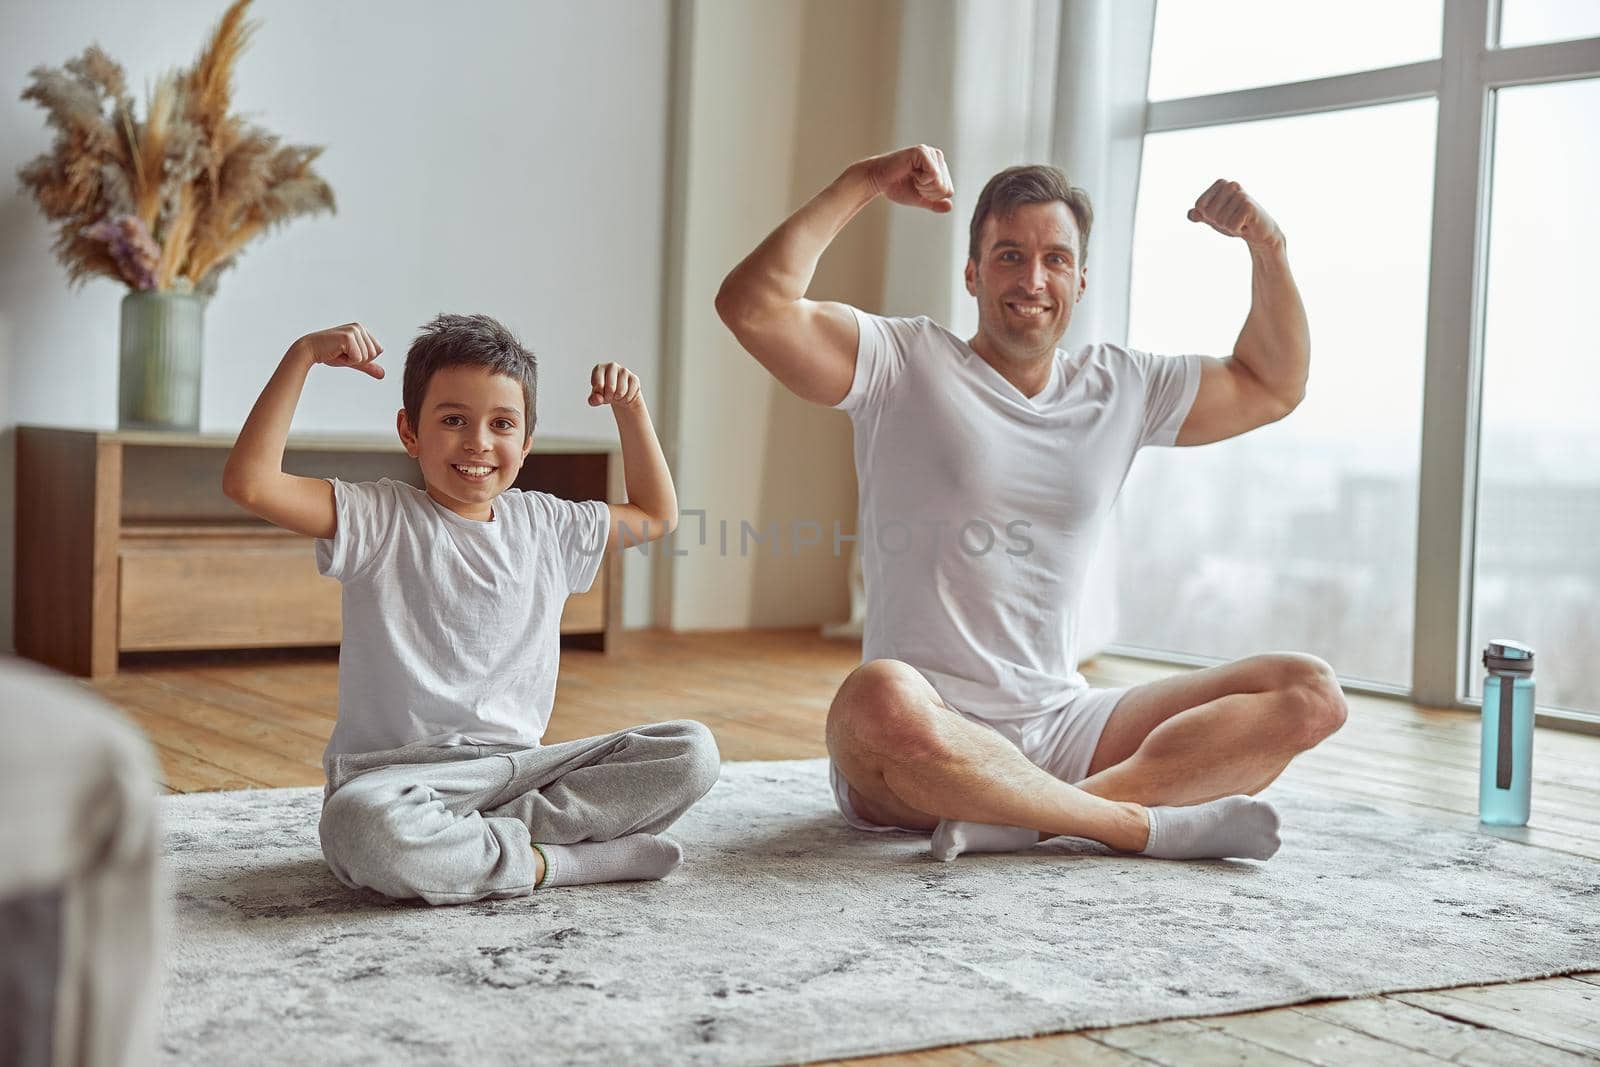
{"points": [[365, 513], [578, 531], [1169, 386], [880, 357]]}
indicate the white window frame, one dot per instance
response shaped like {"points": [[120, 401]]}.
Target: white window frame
{"points": [[1463, 80]]}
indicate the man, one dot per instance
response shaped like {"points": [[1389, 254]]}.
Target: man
{"points": [[968, 719]]}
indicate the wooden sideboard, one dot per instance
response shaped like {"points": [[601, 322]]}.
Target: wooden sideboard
{"points": [[125, 543]]}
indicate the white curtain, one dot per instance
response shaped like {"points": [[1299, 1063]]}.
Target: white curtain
{"points": [[995, 83], [1102, 80]]}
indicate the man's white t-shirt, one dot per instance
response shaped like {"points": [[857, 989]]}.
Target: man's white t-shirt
{"points": [[980, 507], [452, 626]]}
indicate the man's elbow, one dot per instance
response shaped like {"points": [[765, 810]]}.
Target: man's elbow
{"points": [[730, 307], [1279, 406], [1277, 398], [743, 313], [1292, 398]]}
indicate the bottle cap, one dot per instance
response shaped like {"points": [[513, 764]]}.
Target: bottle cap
{"points": [[1508, 657]]}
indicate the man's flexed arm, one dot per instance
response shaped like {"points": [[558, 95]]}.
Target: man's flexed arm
{"points": [[810, 345], [1266, 376]]}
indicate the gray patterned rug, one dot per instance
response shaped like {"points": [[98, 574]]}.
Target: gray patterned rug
{"points": [[787, 937]]}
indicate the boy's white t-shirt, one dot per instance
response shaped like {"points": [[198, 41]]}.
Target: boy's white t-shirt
{"points": [[980, 508], [452, 626]]}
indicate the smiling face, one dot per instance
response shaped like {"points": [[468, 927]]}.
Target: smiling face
{"points": [[470, 439], [1027, 279]]}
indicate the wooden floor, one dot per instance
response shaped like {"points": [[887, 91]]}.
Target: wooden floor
{"points": [[258, 720]]}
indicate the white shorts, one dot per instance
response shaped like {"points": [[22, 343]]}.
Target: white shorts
{"points": [[1060, 741]]}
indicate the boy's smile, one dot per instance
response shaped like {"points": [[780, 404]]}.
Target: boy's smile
{"points": [[470, 440]]}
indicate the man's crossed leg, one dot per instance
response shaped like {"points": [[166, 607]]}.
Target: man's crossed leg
{"points": [[1172, 774]]}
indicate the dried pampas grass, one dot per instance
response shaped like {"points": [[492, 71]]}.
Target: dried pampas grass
{"points": [[168, 202]]}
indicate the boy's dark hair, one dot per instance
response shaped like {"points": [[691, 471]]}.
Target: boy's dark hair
{"points": [[1034, 184], [467, 341]]}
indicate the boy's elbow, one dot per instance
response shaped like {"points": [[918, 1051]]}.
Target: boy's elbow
{"points": [[236, 488], [641, 527], [241, 488], [657, 526], [660, 525]]}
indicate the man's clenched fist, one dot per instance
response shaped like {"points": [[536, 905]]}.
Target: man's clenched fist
{"points": [[1228, 209], [916, 176]]}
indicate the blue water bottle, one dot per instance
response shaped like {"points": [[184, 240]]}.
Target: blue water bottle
{"points": [[1505, 776]]}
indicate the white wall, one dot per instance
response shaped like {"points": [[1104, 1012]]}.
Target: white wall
{"points": [[505, 156]]}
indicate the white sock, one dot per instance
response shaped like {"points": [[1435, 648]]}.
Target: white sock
{"points": [[1238, 827], [635, 858], [952, 837]]}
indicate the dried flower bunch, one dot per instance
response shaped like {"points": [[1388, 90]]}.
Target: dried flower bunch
{"points": [[167, 203]]}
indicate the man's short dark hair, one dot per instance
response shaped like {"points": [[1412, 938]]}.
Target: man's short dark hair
{"points": [[1032, 184], [467, 341]]}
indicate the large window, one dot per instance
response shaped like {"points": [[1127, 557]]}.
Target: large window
{"points": [[1230, 544], [1209, 47], [1440, 486], [1537, 21], [1537, 565]]}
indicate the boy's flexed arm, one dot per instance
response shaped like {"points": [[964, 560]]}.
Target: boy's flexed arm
{"points": [[254, 477], [652, 508], [810, 345]]}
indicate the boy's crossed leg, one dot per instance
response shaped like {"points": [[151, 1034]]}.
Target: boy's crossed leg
{"points": [[452, 826]]}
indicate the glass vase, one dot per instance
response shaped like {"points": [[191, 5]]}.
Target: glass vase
{"points": [[159, 384]]}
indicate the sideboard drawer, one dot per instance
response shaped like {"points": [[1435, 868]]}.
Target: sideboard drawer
{"points": [[221, 592], [231, 589]]}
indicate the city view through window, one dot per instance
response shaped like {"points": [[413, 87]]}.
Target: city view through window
{"points": [[1300, 535], [1303, 535], [1537, 573]]}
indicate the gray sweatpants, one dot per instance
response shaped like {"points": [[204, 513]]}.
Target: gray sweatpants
{"points": [[454, 824]]}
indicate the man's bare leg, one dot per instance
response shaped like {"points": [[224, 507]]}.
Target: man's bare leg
{"points": [[1217, 732], [911, 761], [1199, 737]]}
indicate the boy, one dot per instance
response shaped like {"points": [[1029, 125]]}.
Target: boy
{"points": [[437, 785]]}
